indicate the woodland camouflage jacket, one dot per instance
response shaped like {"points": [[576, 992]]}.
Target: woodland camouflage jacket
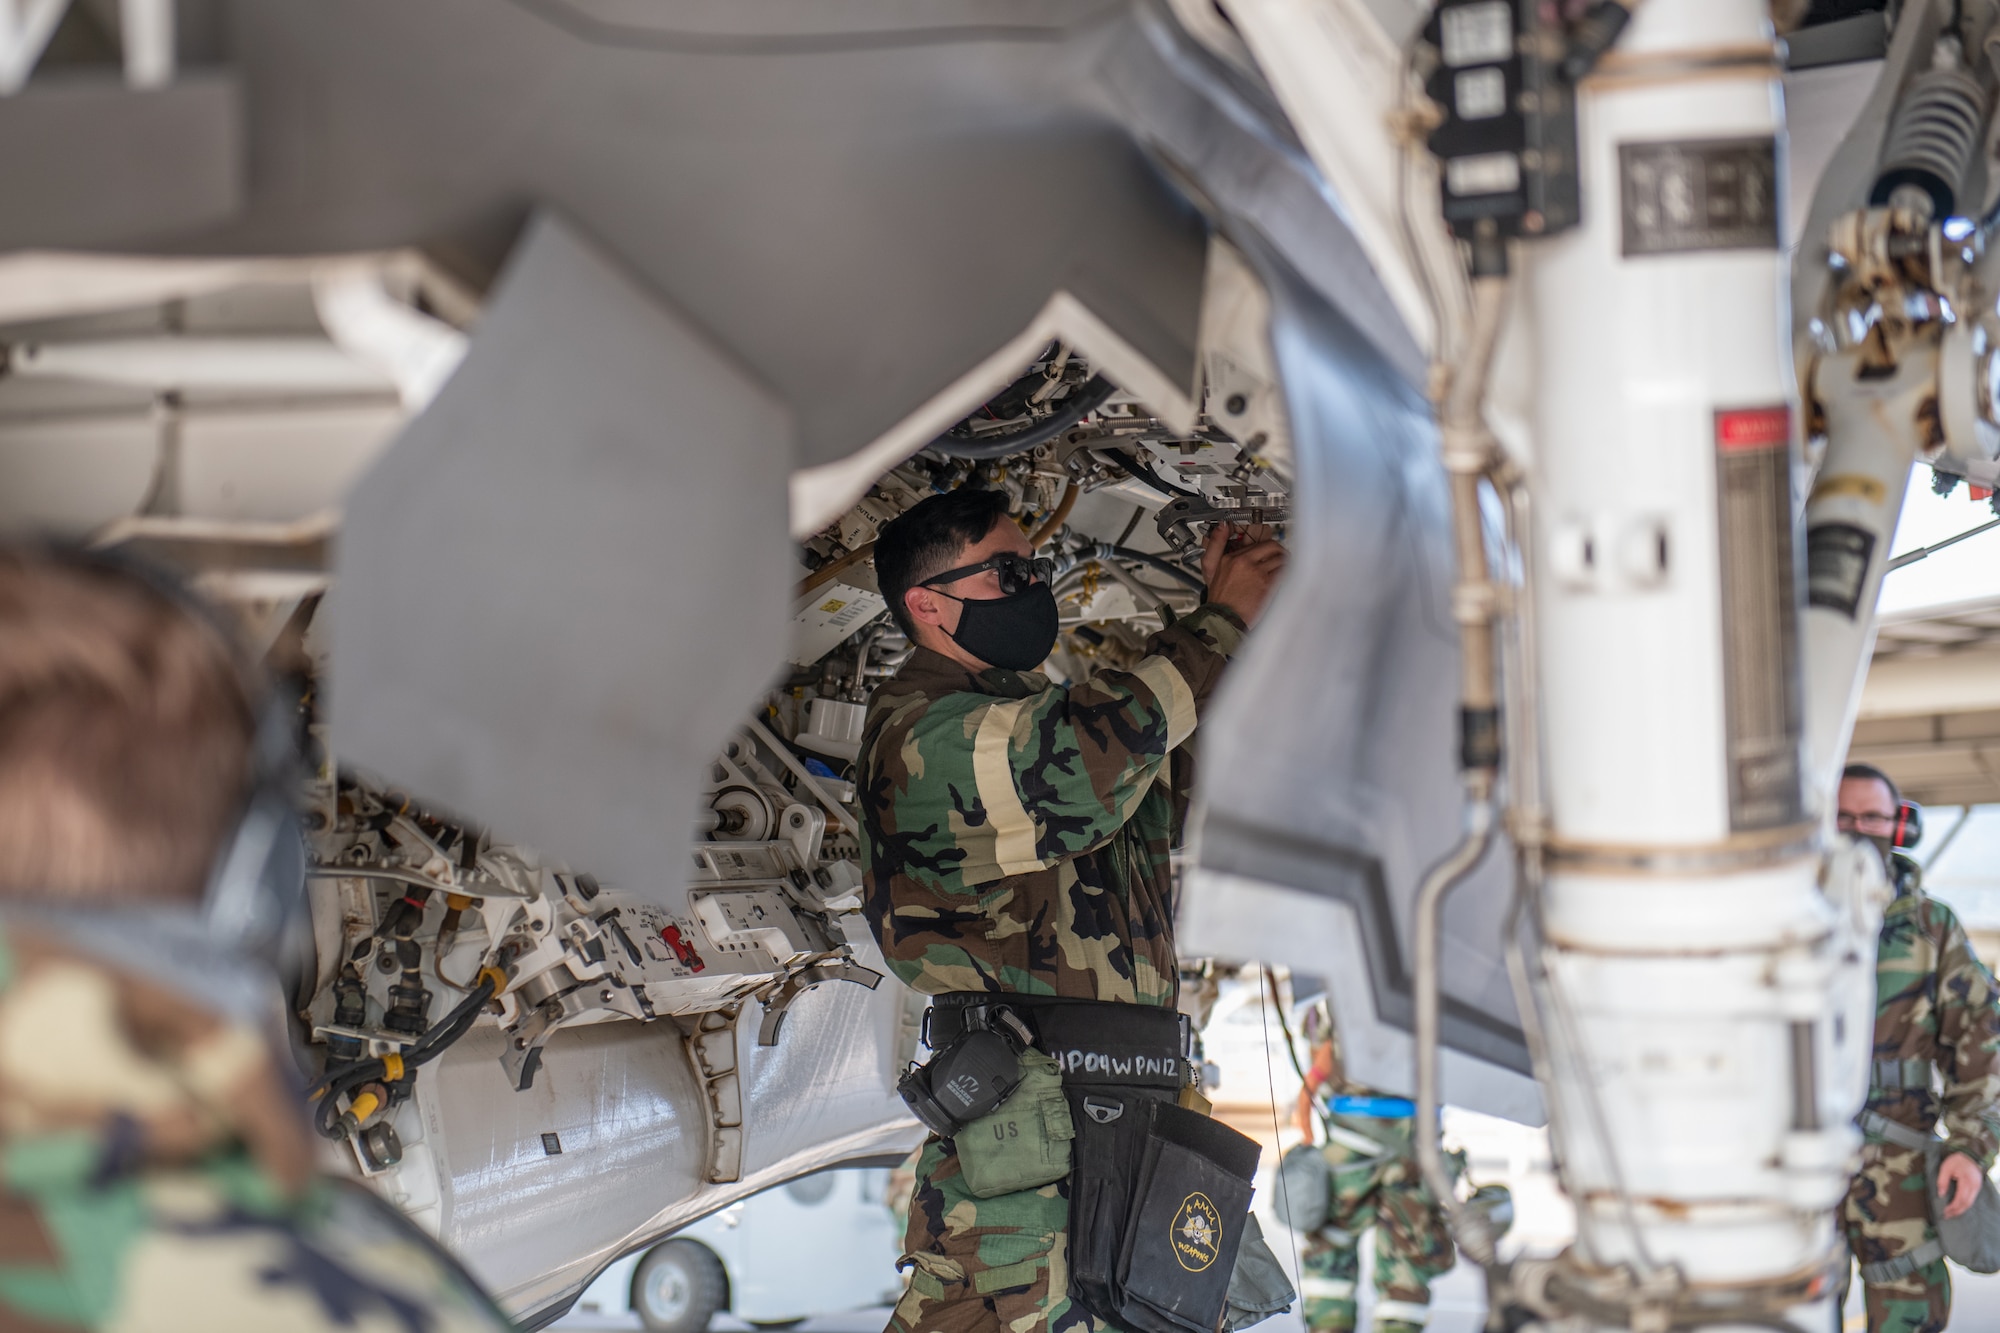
{"points": [[157, 1172], [1935, 1003], [1017, 832]]}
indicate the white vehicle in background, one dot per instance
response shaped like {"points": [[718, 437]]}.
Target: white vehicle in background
{"points": [[820, 1244]]}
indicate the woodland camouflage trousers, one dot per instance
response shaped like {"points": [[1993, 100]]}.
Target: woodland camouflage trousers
{"points": [[1888, 1214], [993, 1265], [1412, 1245]]}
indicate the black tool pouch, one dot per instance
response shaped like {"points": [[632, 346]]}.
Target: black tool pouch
{"points": [[1118, 1061], [1159, 1195], [1145, 1169], [1112, 1125], [1189, 1207]]}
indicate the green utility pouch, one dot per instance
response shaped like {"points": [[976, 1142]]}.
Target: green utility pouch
{"points": [[1024, 1143], [1305, 1188]]}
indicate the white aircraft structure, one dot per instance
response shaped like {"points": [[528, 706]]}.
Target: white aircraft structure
{"points": [[535, 375]]}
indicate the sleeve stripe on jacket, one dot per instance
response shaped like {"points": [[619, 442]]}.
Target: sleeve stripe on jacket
{"points": [[1014, 834], [1170, 687]]}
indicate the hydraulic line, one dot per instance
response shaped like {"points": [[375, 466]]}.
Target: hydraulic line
{"points": [[1059, 516], [1472, 1230], [1284, 1023], [868, 642], [1137, 589], [1924, 552], [1469, 452], [1082, 401], [1105, 551]]}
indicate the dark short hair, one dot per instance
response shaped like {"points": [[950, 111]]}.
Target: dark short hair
{"points": [[1869, 771], [923, 543]]}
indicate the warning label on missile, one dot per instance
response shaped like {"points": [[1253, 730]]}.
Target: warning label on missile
{"points": [[1837, 556], [1705, 194], [1762, 688]]}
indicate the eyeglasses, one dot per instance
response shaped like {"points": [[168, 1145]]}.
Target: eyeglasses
{"points": [[1017, 573], [1869, 822]]}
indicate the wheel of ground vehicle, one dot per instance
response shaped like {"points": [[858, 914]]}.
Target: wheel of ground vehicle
{"points": [[678, 1287]]}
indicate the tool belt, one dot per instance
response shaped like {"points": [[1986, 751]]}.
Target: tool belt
{"points": [[1159, 1194], [1140, 1044]]}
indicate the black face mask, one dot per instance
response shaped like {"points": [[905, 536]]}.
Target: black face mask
{"points": [[1017, 632]]}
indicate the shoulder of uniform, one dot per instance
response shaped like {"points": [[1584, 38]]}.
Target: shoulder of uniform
{"points": [[947, 712], [1908, 906], [926, 678], [920, 717], [894, 699], [1936, 915]]}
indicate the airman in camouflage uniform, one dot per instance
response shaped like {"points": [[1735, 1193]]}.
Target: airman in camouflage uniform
{"points": [[1937, 1009], [156, 1174], [1375, 1182], [1017, 837]]}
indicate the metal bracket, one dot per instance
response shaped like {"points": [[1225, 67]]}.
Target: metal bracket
{"points": [[1176, 516], [710, 1039], [798, 983], [521, 1057]]}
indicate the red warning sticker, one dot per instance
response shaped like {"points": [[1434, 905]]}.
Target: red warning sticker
{"points": [[1752, 428]]}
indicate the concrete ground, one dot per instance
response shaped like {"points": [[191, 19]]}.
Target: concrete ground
{"points": [[1458, 1306], [1257, 1093]]}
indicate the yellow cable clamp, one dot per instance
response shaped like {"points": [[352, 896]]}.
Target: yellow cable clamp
{"points": [[457, 902], [498, 977], [392, 1068], [363, 1106]]}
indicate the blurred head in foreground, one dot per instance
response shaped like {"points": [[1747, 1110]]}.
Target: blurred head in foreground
{"points": [[126, 730], [149, 1111]]}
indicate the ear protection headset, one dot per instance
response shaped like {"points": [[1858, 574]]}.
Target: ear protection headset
{"points": [[1909, 830], [256, 891]]}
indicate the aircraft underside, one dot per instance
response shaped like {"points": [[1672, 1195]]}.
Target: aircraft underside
{"points": [[535, 376]]}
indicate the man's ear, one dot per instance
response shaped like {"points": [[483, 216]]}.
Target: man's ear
{"points": [[923, 606]]}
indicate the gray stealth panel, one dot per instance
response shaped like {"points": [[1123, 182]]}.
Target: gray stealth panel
{"points": [[86, 160], [861, 216], [1227, 138], [1328, 759], [556, 592], [1350, 685]]}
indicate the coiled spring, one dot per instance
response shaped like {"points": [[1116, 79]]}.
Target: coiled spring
{"points": [[1932, 138]]}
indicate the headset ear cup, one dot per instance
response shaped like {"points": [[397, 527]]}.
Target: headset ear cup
{"points": [[257, 892], [1909, 826]]}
